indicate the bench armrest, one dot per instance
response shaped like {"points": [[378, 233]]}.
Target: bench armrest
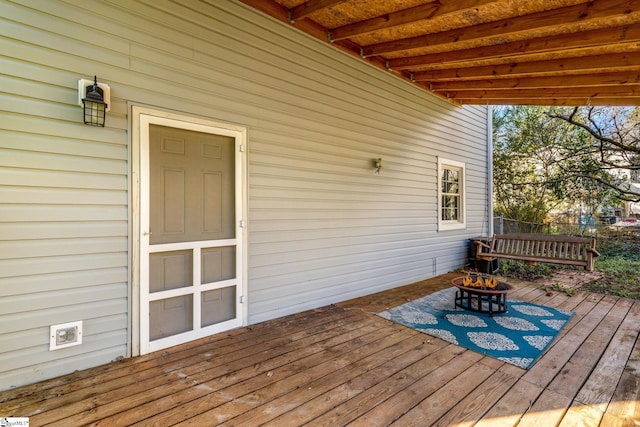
{"points": [[481, 243]]}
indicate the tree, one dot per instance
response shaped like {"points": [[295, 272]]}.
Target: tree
{"points": [[528, 177], [611, 154], [546, 159]]}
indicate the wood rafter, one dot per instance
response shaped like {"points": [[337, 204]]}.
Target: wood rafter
{"points": [[585, 92], [305, 9], [587, 101], [604, 36], [581, 64], [534, 52], [570, 14], [579, 80], [407, 16]]}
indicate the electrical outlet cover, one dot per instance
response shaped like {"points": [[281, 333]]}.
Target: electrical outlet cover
{"points": [[65, 335]]}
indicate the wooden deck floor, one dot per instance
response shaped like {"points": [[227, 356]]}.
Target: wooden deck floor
{"points": [[343, 365]]}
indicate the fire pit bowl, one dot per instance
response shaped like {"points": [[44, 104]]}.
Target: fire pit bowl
{"points": [[481, 293], [501, 287]]}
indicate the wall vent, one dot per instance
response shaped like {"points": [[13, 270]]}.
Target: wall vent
{"points": [[65, 335]]}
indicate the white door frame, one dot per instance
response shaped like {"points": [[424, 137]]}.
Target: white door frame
{"points": [[141, 118]]}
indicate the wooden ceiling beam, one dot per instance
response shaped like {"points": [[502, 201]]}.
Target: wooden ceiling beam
{"points": [[611, 102], [314, 29], [604, 36], [629, 91], [589, 55], [281, 13], [307, 8], [406, 16], [556, 17], [612, 50], [583, 80], [579, 65]]}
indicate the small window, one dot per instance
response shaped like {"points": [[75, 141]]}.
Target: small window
{"points": [[451, 197]]}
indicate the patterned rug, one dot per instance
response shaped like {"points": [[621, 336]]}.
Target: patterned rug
{"points": [[519, 336]]}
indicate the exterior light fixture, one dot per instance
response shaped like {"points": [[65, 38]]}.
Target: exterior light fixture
{"points": [[377, 165], [95, 102]]}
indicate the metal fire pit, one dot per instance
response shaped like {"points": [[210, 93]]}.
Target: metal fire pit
{"points": [[481, 299]]}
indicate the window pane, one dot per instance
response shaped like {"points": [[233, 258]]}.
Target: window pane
{"points": [[450, 208], [451, 188], [449, 214], [450, 201], [450, 181]]}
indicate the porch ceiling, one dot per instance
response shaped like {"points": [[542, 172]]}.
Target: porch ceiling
{"points": [[533, 52]]}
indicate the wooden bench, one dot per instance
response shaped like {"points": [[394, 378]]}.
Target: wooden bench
{"points": [[532, 248]]}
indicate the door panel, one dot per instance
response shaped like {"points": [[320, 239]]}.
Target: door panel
{"points": [[218, 264], [170, 316], [170, 270], [192, 185], [190, 275], [218, 305]]}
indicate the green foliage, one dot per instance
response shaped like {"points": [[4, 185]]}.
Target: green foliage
{"points": [[610, 285], [527, 180], [519, 270], [618, 248], [619, 262], [608, 149], [547, 159]]}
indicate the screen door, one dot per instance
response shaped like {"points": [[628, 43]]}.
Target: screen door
{"points": [[190, 264]]}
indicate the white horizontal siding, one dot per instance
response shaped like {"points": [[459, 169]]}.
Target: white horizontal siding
{"points": [[61, 230], [56, 247], [26, 285], [322, 226], [63, 197]]}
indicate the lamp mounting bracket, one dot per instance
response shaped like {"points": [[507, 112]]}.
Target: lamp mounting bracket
{"points": [[82, 91]]}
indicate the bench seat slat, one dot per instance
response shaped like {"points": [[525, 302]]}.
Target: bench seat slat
{"points": [[542, 259]]}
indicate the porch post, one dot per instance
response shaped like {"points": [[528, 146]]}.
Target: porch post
{"points": [[490, 170]]}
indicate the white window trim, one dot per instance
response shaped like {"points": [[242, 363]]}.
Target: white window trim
{"points": [[452, 224]]}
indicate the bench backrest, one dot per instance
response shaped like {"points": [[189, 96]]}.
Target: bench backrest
{"points": [[542, 246]]}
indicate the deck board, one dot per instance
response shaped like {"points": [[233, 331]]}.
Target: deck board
{"points": [[322, 394], [624, 406], [342, 365], [433, 407]]}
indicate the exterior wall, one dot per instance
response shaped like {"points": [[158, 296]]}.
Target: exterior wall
{"points": [[322, 226]]}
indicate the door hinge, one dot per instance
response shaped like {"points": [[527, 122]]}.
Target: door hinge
{"points": [[242, 223], [242, 299], [241, 148]]}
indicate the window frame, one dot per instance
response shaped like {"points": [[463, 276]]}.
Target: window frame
{"points": [[461, 222]]}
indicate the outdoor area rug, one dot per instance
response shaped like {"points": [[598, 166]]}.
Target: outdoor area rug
{"points": [[518, 336]]}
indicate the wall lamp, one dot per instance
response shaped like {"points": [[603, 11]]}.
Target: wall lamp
{"points": [[377, 165], [95, 98]]}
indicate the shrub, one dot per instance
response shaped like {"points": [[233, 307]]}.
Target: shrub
{"points": [[619, 263], [520, 270]]}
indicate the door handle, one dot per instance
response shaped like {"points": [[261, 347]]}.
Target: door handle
{"points": [[146, 233]]}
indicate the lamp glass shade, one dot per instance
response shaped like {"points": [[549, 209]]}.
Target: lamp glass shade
{"points": [[94, 106]]}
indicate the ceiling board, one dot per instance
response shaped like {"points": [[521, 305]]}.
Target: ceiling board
{"points": [[534, 52]]}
